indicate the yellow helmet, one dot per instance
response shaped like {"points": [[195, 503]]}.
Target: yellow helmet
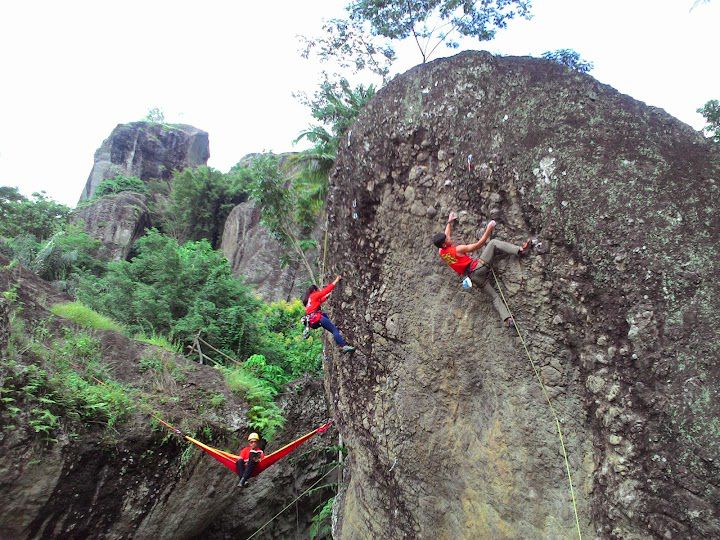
{"points": [[253, 437]]}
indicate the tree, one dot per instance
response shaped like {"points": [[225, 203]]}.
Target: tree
{"points": [[711, 113], [351, 46], [279, 200], [569, 58], [200, 201], [432, 22], [39, 216]]}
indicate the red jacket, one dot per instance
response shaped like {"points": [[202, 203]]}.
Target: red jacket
{"points": [[459, 263], [245, 453], [318, 297]]}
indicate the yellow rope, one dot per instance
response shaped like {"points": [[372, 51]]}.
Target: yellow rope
{"points": [[292, 502], [547, 397]]}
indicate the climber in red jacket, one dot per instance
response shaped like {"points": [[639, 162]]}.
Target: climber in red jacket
{"points": [[312, 300], [477, 270], [249, 456]]}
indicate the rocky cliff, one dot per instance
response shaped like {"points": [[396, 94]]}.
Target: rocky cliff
{"points": [[254, 254], [116, 220], [149, 151], [64, 474], [448, 430]]}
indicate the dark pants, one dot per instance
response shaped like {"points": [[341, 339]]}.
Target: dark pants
{"points": [[330, 327], [244, 470]]}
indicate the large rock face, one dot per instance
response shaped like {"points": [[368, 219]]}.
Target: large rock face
{"points": [[256, 255], [147, 150], [448, 429], [116, 220]]}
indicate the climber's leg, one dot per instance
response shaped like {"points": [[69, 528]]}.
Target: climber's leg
{"points": [[330, 327], [497, 301], [489, 252]]}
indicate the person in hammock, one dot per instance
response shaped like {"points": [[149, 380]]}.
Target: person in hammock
{"points": [[249, 457], [312, 300]]}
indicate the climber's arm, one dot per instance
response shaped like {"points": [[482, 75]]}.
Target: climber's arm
{"points": [[448, 228], [469, 248]]}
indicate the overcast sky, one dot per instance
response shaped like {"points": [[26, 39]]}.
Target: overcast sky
{"points": [[71, 71]]}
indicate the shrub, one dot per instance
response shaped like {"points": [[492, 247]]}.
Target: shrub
{"points": [[119, 184]]}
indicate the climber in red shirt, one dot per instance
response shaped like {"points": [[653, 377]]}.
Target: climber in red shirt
{"points": [[249, 456], [312, 300], [477, 270]]}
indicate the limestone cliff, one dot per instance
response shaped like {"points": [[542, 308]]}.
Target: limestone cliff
{"points": [[149, 151], [448, 430]]}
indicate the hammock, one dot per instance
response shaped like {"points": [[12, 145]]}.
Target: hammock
{"points": [[230, 460]]}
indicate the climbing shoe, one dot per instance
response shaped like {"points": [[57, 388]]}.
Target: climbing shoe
{"points": [[509, 323], [525, 248], [347, 349]]}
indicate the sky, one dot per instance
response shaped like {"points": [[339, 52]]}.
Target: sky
{"points": [[73, 70]]}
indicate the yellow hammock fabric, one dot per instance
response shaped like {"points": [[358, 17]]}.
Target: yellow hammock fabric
{"points": [[230, 460]]}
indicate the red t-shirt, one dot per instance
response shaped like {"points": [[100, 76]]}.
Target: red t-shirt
{"points": [[459, 263], [245, 453], [318, 297]]}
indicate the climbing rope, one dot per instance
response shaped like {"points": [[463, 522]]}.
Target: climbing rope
{"points": [[547, 397], [293, 502]]}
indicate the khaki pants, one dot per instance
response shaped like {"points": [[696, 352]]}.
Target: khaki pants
{"points": [[479, 276]]}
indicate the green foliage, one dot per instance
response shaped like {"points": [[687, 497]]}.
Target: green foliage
{"points": [[70, 251], [84, 316], [200, 201], [349, 44], [281, 208], [67, 388], [569, 58], [432, 22], [321, 526], [264, 415], [177, 291], [711, 113], [119, 184], [39, 216], [155, 115]]}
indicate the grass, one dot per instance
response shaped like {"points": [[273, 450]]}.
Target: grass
{"points": [[159, 340], [83, 316]]}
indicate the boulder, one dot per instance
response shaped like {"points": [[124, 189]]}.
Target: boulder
{"points": [[255, 254], [448, 427], [147, 150], [116, 220]]}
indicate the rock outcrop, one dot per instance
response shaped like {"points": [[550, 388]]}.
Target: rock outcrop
{"points": [[116, 220], [133, 479], [149, 151], [256, 255], [448, 430]]}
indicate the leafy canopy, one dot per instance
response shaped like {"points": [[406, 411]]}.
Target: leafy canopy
{"points": [[569, 58], [432, 22], [711, 113], [39, 216], [200, 200]]}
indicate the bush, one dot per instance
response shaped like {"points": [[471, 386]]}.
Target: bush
{"points": [[69, 252], [39, 216], [119, 184]]}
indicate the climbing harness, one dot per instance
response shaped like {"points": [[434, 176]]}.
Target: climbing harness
{"points": [[547, 397], [230, 460], [308, 490]]}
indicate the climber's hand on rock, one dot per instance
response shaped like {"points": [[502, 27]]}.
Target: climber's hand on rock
{"points": [[452, 217], [491, 225]]}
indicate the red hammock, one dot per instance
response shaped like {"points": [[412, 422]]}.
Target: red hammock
{"points": [[230, 460]]}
